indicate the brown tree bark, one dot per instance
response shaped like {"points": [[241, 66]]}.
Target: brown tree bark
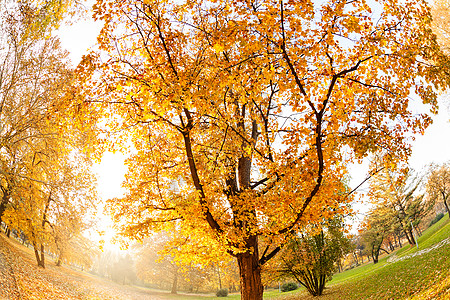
{"points": [[250, 272]]}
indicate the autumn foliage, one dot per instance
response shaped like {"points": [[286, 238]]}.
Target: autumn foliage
{"points": [[242, 116]]}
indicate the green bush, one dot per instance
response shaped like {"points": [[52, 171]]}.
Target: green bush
{"points": [[222, 293], [290, 286], [436, 219]]}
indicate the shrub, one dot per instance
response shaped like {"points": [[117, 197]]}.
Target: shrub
{"points": [[436, 219], [222, 293], [290, 286]]}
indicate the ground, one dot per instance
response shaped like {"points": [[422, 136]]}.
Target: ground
{"points": [[20, 278], [407, 274]]}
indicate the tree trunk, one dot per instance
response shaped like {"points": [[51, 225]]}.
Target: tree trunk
{"points": [[446, 206], [250, 272], [408, 237], [4, 202], [220, 279], [42, 256], [59, 261], [174, 283], [2, 210], [39, 258], [411, 236]]}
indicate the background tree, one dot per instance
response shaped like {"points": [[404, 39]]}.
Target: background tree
{"points": [[396, 191], [248, 106], [377, 225], [438, 184], [40, 178], [441, 22], [173, 262]]}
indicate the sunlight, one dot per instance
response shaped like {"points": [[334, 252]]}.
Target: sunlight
{"points": [[111, 173]]}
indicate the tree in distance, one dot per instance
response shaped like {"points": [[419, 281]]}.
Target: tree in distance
{"points": [[438, 185], [393, 191], [243, 116]]}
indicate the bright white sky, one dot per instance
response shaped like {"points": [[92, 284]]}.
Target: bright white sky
{"points": [[433, 147]]}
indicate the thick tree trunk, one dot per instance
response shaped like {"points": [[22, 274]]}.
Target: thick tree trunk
{"points": [[250, 272]]}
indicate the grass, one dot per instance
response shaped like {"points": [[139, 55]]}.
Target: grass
{"points": [[425, 276], [433, 235]]}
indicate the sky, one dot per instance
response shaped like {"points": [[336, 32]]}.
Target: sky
{"points": [[432, 147]]}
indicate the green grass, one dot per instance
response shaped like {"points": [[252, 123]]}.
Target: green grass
{"points": [[433, 235], [425, 276]]}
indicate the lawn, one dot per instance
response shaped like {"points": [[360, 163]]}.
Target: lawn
{"points": [[425, 276]]}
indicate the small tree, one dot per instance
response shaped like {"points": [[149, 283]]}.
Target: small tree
{"points": [[311, 258]]}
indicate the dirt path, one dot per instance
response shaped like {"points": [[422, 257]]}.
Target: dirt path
{"points": [[21, 279], [395, 258]]}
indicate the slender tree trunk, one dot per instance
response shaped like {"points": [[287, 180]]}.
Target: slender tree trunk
{"points": [[411, 237], [408, 237], [220, 279], [446, 206], [250, 272], [39, 256], [59, 261], [4, 201], [399, 241], [174, 283], [2, 210], [42, 256]]}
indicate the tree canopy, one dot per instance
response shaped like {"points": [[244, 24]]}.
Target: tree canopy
{"points": [[242, 116]]}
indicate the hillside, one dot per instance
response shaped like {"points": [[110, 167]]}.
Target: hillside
{"points": [[408, 273], [20, 278]]}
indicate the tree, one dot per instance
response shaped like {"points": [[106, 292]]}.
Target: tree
{"points": [[169, 261], [438, 184], [377, 225], [440, 12], [253, 110], [312, 258], [395, 191]]}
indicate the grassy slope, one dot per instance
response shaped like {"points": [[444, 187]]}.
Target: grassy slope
{"points": [[425, 276]]}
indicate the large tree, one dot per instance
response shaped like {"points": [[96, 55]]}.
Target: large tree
{"points": [[243, 115]]}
